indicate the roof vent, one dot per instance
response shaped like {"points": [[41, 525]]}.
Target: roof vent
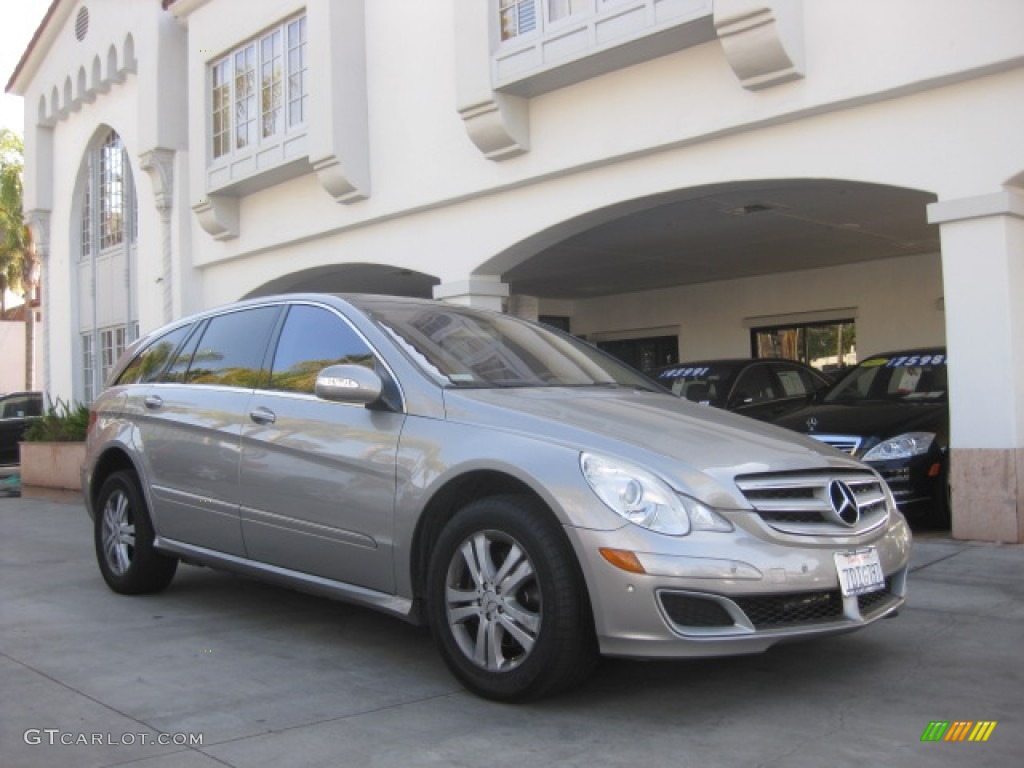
{"points": [[82, 23]]}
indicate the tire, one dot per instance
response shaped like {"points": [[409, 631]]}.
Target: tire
{"points": [[123, 536], [506, 601]]}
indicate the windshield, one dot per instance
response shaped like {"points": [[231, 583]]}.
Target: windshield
{"points": [[906, 378], [699, 382], [470, 348]]}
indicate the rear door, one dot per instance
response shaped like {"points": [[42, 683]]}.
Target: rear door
{"points": [[189, 428], [318, 478]]}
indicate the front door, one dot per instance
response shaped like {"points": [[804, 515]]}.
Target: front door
{"points": [[317, 477]]}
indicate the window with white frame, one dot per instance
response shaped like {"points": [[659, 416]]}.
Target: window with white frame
{"points": [[109, 206], [108, 233], [88, 368], [520, 17], [112, 344], [112, 197], [259, 91]]}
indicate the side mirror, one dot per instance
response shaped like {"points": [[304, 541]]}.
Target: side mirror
{"points": [[349, 384]]}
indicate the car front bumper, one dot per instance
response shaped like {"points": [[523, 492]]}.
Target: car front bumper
{"points": [[719, 594]]}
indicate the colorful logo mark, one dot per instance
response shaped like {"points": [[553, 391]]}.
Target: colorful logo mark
{"points": [[958, 730]]}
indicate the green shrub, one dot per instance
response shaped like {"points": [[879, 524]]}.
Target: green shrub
{"points": [[62, 422]]}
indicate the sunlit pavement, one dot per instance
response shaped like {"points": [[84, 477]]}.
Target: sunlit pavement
{"points": [[266, 677]]}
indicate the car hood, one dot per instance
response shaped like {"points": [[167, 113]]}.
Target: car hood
{"points": [[697, 448], [869, 420]]}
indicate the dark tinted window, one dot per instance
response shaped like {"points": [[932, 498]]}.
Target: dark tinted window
{"points": [[701, 382], [179, 365], [755, 385], [20, 406], [795, 381], [148, 364], [311, 340], [232, 348]]}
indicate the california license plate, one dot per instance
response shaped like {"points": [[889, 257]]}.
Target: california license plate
{"points": [[859, 571]]}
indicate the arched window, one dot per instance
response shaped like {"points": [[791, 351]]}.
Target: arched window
{"points": [[108, 230]]}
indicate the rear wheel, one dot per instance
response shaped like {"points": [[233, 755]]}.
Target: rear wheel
{"points": [[123, 537], [507, 604]]}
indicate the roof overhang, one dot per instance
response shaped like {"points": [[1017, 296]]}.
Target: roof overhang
{"points": [[40, 43]]}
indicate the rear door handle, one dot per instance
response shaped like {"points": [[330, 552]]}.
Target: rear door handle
{"points": [[262, 415], [154, 402]]}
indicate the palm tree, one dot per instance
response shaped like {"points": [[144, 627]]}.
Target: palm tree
{"points": [[19, 267]]}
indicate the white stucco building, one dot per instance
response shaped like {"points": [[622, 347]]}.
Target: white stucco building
{"points": [[669, 176]]}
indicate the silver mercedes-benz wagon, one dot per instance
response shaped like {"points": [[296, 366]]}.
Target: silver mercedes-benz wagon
{"points": [[532, 500]]}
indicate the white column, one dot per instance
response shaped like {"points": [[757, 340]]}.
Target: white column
{"points": [[983, 275], [481, 291]]}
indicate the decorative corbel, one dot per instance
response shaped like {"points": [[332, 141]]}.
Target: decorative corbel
{"points": [[38, 222], [497, 123], [159, 165], [762, 40], [218, 216], [500, 126]]}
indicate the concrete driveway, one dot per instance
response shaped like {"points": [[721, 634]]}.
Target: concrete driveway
{"points": [[267, 677]]}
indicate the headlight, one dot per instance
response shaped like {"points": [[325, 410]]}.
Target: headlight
{"points": [[901, 447], [646, 500]]}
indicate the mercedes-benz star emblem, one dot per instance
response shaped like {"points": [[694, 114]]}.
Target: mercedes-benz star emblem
{"points": [[844, 502], [812, 423]]}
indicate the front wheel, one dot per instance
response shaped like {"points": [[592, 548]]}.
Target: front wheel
{"points": [[123, 537], [507, 604]]}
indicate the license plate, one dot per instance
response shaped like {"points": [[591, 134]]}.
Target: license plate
{"points": [[859, 571]]}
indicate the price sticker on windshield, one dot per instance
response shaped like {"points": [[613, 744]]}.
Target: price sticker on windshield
{"points": [[912, 361], [859, 572]]}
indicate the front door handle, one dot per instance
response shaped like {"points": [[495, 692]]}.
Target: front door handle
{"points": [[262, 415], [153, 402]]}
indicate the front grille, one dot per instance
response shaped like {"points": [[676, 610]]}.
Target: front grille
{"points": [[800, 502], [873, 601], [704, 614], [693, 611], [845, 443], [774, 611]]}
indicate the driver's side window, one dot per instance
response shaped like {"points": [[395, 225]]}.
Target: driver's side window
{"points": [[312, 339]]}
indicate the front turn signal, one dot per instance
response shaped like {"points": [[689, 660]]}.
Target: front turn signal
{"points": [[622, 558]]}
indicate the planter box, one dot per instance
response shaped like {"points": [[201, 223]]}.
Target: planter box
{"points": [[52, 465]]}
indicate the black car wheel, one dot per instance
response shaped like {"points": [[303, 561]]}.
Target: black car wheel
{"points": [[506, 601], [124, 539]]}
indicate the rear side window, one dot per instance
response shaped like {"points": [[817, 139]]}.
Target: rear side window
{"points": [[20, 406], [148, 364], [311, 340], [232, 348]]}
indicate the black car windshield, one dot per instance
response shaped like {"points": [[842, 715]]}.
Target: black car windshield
{"points": [[473, 349], [904, 378], [700, 382]]}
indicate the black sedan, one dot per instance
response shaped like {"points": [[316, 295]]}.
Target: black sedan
{"points": [[762, 388], [16, 412], [892, 412]]}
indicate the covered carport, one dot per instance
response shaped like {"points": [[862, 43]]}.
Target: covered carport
{"points": [[714, 263]]}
